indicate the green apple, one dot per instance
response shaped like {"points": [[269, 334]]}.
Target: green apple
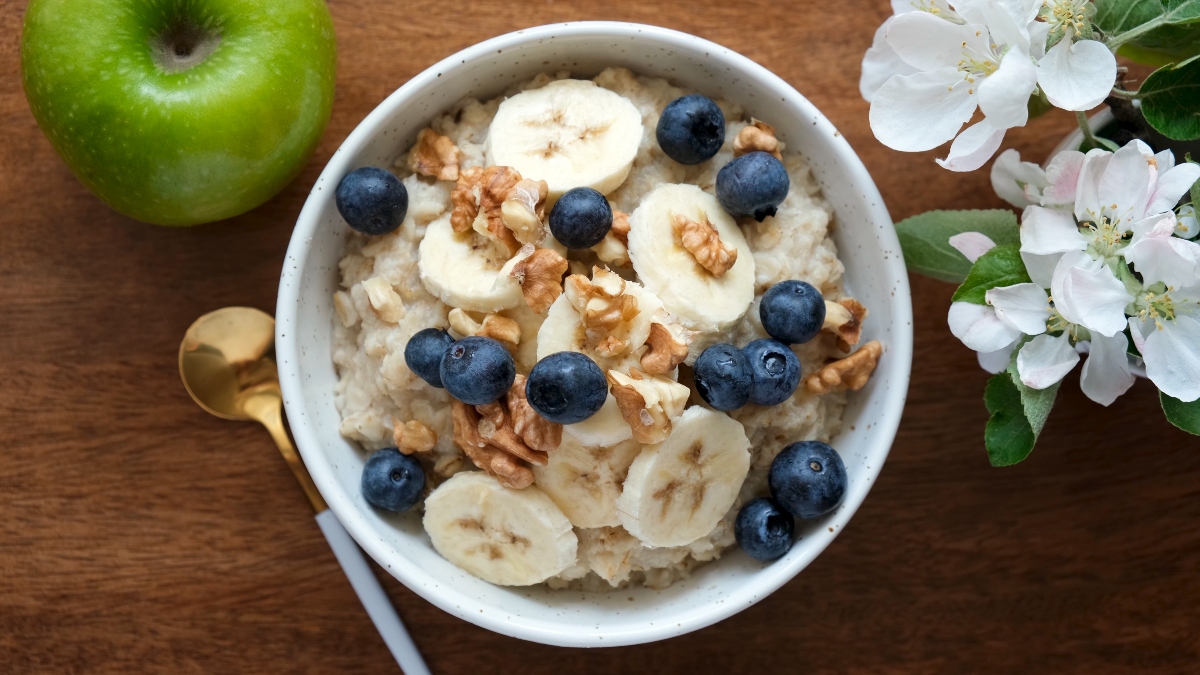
{"points": [[179, 112]]}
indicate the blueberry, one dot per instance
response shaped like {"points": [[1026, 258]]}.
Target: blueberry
{"points": [[580, 218], [392, 481], [691, 129], [723, 377], [566, 387], [792, 312], [763, 529], [752, 185], [477, 370], [424, 351], [372, 200], [776, 371], [808, 478]]}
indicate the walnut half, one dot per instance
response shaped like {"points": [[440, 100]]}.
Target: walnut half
{"points": [[702, 240], [508, 470], [757, 137], [434, 155], [668, 348], [504, 437], [494, 326], [413, 436], [540, 276], [648, 405], [850, 373], [844, 319]]}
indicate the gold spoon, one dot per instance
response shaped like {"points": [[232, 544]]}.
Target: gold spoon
{"points": [[226, 365]]}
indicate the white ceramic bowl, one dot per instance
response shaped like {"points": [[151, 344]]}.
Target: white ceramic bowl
{"points": [[866, 241]]}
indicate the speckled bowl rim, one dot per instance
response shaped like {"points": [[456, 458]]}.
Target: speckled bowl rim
{"points": [[898, 361]]}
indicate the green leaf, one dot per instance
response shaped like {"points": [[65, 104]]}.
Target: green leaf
{"points": [[924, 238], [1186, 416], [1171, 100], [1018, 415], [1036, 402], [1007, 436], [1001, 266], [1155, 32], [1164, 45]]}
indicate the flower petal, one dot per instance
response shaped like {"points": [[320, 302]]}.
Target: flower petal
{"points": [[880, 63], [926, 42], [1040, 267], [1016, 182], [1172, 355], [1106, 374], [1087, 192], [1172, 184], [1086, 292], [1004, 95], [1077, 76], [1062, 177], [1159, 256], [972, 244], [1045, 231], [1045, 360], [1125, 186], [918, 112], [997, 361], [979, 328], [1025, 307], [973, 147]]}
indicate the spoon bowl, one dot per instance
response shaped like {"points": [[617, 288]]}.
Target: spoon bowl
{"points": [[224, 360]]}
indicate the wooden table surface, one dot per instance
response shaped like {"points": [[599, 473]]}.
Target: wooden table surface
{"points": [[138, 534]]}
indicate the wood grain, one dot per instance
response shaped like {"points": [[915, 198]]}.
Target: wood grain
{"points": [[138, 534]]}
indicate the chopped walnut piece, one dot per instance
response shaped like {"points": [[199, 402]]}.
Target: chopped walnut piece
{"points": [[384, 299], [507, 469], [434, 155], [494, 326], [620, 226], [462, 199], [496, 427], [539, 433], [757, 137], [413, 436], [702, 240], [500, 328], [844, 319], [850, 373], [495, 183], [524, 209], [614, 248], [668, 348], [648, 404], [540, 276]]}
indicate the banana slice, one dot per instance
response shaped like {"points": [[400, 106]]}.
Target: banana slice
{"points": [[570, 133], [678, 490], [701, 301], [503, 536], [585, 481], [466, 270], [614, 346], [607, 427]]}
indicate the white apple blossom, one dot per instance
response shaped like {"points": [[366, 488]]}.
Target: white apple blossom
{"points": [[1166, 323], [1013, 312], [932, 65], [1086, 217]]}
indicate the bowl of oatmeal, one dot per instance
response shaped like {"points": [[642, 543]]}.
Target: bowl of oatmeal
{"points": [[611, 559]]}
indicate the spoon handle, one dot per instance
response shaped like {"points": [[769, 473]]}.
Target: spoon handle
{"points": [[374, 599]]}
